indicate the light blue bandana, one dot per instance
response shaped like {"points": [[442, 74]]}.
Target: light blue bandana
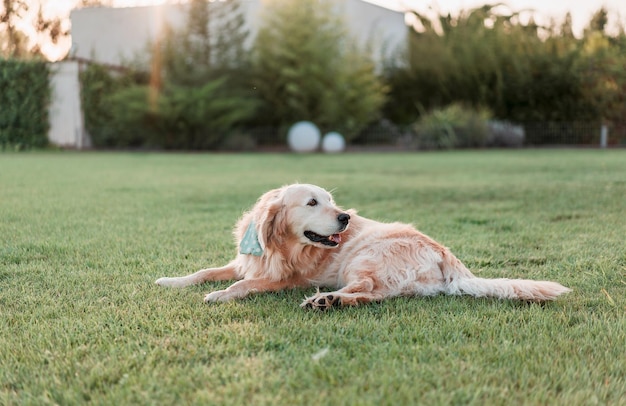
{"points": [[250, 242]]}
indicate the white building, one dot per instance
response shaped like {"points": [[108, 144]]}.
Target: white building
{"points": [[115, 35]]}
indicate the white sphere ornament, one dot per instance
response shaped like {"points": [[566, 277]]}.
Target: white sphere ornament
{"points": [[333, 142], [303, 136]]}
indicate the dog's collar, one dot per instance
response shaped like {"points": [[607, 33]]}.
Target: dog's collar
{"points": [[250, 242]]}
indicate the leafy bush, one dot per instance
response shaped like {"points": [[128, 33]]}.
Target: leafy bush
{"points": [[134, 120], [98, 85], [24, 100], [453, 127], [125, 112]]}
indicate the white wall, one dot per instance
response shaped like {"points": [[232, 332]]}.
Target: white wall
{"points": [[383, 29], [116, 35], [65, 113]]}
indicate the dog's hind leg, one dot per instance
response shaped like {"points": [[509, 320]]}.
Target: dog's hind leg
{"points": [[225, 273]]}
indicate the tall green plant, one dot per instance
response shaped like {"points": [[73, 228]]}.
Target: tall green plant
{"points": [[603, 62], [24, 101], [98, 86], [487, 57], [307, 68], [208, 46], [200, 118]]}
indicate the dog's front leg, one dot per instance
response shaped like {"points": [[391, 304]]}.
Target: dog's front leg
{"points": [[357, 292], [224, 273], [244, 287]]}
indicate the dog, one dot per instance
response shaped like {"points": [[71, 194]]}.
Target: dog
{"points": [[296, 236]]}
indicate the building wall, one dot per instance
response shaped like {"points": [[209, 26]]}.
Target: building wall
{"points": [[383, 29], [118, 35], [65, 114]]}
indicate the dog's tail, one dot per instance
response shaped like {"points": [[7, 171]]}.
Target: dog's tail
{"points": [[460, 281], [521, 289]]}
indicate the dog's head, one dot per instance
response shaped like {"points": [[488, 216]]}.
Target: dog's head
{"points": [[301, 213]]}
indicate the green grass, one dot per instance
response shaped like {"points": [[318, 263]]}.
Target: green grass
{"points": [[84, 236]]}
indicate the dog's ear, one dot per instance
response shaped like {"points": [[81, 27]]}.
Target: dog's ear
{"points": [[269, 213]]}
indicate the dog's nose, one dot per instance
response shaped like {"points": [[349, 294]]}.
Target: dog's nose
{"points": [[343, 218]]}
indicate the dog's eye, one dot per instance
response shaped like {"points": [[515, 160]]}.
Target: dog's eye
{"points": [[312, 203]]}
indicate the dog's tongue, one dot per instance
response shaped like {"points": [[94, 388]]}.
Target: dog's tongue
{"points": [[335, 238]]}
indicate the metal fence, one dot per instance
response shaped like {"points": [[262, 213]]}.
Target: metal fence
{"points": [[384, 135], [575, 134], [539, 134]]}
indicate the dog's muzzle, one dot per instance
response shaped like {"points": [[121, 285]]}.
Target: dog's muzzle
{"points": [[334, 239]]}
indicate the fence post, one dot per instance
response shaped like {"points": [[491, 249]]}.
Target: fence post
{"points": [[604, 136]]}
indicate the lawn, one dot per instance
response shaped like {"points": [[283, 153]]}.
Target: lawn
{"points": [[83, 236]]}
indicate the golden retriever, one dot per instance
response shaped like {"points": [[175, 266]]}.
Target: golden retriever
{"points": [[296, 236]]}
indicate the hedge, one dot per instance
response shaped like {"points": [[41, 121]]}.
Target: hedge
{"points": [[24, 101], [122, 112]]}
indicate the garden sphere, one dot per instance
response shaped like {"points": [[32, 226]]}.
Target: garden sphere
{"points": [[303, 136], [333, 142]]}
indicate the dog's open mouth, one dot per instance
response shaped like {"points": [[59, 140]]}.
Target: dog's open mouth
{"points": [[330, 240]]}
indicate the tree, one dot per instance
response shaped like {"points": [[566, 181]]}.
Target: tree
{"points": [[230, 36], [487, 58], [599, 20], [210, 45], [308, 68], [14, 43], [47, 29], [567, 28], [603, 60]]}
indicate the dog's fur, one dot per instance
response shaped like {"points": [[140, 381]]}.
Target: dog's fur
{"points": [[364, 260]]}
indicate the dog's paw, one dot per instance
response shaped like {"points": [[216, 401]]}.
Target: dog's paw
{"points": [[179, 282], [321, 301], [169, 282], [218, 296]]}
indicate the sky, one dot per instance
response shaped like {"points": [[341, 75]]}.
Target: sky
{"points": [[544, 10]]}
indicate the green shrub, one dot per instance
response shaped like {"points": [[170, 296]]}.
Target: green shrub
{"points": [[98, 84], [453, 126], [24, 101], [200, 117], [134, 121], [123, 112]]}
